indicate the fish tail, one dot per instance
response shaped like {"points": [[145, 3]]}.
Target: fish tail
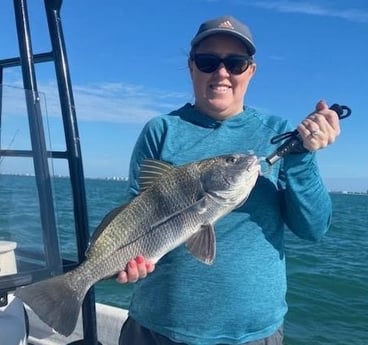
{"points": [[56, 301]]}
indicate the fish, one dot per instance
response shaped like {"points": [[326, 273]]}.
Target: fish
{"points": [[176, 205]]}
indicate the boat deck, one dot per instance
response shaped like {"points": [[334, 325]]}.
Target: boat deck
{"points": [[109, 322]]}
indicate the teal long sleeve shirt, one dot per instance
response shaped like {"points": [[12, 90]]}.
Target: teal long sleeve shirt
{"points": [[241, 297]]}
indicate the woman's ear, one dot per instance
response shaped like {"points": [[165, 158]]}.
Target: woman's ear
{"points": [[253, 66], [190, 66]]}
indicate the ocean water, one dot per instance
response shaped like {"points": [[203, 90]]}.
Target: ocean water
{"points": [[327, 281]]}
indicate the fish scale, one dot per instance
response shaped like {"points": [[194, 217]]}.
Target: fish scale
{"points": [[176, 205]]}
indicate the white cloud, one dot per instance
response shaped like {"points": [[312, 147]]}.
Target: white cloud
{"points": [[107, 102], [309, 8], [119, 102]]}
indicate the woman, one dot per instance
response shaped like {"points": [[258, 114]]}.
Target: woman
{"points": [[240, 299]]}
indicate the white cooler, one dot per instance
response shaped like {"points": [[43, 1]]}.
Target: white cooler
{"points": [[12, 322]]}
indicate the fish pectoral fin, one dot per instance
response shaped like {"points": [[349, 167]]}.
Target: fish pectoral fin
{"points": [[203, 244]]}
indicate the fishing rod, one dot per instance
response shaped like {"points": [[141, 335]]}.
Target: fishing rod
{"points": [[294, 144], [10, 144]]}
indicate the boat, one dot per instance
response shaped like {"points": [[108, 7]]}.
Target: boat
{"points": [[98, 324]]}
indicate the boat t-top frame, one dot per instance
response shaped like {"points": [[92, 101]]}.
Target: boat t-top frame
{"points": [[54, 263]]}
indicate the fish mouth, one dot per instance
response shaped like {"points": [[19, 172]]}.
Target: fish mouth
{"points": [[251, 163], [254, 164], [252, 167]]}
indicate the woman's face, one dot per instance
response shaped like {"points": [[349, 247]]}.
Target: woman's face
{"points": [[220, 94]]}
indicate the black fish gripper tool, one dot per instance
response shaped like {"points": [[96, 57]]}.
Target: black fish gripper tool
{"points": [[293, 144]]}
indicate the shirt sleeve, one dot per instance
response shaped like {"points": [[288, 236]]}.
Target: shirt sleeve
{"points": [[307, 207]]}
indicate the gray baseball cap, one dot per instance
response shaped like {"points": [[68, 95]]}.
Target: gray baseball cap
{"points": [[227, 25]]}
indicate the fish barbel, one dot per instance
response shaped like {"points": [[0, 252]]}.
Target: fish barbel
{"points": [[176, 205]]}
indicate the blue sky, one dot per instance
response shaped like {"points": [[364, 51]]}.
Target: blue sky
{"points": [[128, 63]]}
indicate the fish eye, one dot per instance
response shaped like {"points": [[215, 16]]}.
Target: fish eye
{"points": [[231, 159]]}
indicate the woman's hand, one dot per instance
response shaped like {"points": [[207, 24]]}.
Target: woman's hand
{"points": [[136, 269], [320, 128]]}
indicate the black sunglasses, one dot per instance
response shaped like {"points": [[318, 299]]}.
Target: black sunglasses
{"points": [[208, 63]]}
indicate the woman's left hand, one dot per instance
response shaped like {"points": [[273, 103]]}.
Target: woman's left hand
{"points": [[320, 128], [136, 269]]}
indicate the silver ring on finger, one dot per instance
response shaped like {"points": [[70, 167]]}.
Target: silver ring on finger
{"points": [[315, 133]]}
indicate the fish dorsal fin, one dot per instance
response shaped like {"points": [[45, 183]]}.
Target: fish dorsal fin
{"points": [[203, 244], [150, 171]]}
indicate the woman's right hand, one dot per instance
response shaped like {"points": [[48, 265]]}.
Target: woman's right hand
{"points": [[136, 269]]}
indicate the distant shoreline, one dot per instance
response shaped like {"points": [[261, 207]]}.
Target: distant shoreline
{"points": [[124, 179], [349, 193]]}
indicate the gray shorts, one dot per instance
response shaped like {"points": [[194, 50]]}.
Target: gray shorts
{"points": [[134, 334]]}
